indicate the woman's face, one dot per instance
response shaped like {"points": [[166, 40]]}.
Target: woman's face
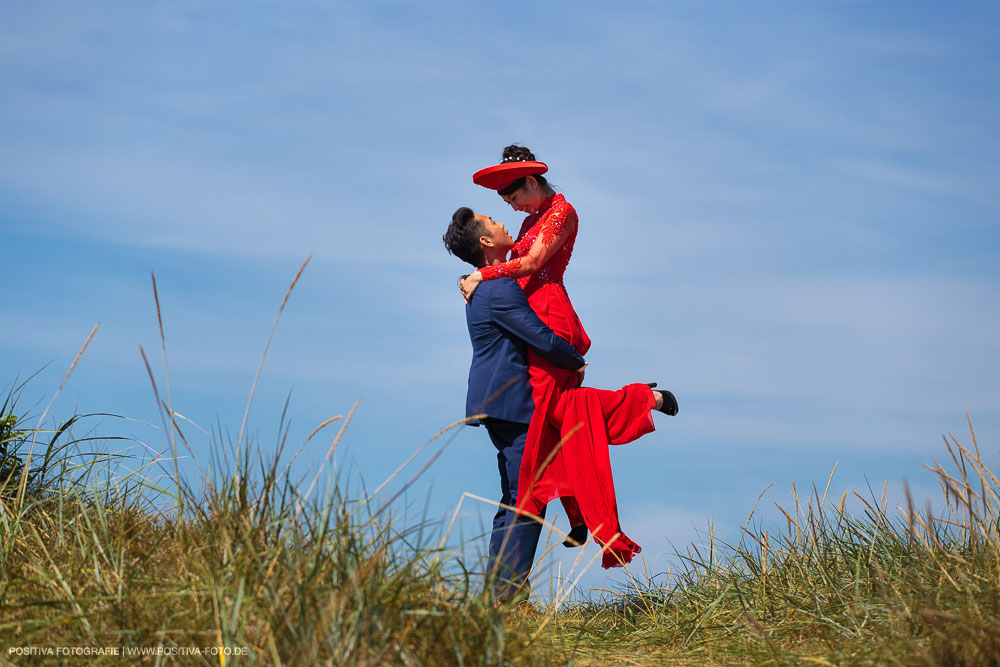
{"points": [[528, 198]]}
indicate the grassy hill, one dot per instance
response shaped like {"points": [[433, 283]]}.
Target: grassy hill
{"points": [[245, 565]]}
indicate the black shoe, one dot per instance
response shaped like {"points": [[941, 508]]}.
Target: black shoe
{"points": [[577, 537], [651, 385], [669, 406]]}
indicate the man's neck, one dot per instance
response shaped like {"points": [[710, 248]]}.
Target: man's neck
{"points": [[495, 257]]}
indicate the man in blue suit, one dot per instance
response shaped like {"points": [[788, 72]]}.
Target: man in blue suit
{"points": [[502, 326]]}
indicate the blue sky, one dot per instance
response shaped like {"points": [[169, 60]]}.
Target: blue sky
{"points": [[789, 216]]}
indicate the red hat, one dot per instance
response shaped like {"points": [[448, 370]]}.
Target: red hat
{"points": [[501, 175]]}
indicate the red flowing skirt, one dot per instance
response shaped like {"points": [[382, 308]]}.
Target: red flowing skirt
{"points": [[566, 454]]}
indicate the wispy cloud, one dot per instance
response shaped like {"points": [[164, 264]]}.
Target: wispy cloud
{"points": [[788, 215]]}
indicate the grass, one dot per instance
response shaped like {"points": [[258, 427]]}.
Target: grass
{"points": [[258, 565], [99, 549], [828, 587], [255, 563]]}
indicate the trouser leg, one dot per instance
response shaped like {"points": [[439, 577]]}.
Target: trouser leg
{"points": [[514, 539]]}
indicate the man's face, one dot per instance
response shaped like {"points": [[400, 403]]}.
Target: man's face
{"points": [[496, 233]]}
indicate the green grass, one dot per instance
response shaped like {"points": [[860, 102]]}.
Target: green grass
{"points": [[297, 573], [253, 562], [99, 548], [827, 587]]}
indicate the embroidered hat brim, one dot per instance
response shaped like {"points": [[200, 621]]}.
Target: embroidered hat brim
{"points": [[501, 175]]}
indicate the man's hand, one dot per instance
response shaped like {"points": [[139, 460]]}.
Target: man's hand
{"points": [[580, 372]]}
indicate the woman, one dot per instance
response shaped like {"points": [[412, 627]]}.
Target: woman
{"points": [[585, 421]]}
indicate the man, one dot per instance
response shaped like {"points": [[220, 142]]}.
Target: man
{"points": [[502, 326]]}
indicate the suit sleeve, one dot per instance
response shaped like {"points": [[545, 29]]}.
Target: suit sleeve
{"points": [[511, 311]]}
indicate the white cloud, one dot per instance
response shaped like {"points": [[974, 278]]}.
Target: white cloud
{"points": [[762, 201]]}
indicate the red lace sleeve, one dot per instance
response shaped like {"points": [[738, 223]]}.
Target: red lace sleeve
{"points": [[510, 269], [543, 240]]}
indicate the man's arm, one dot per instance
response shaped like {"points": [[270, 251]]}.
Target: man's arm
{"points": [[511, 311]]}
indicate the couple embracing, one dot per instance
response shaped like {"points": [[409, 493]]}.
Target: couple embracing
{"points": [[552, 434]]}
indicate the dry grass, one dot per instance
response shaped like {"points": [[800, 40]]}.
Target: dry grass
{"points": [[253, 563], [322, 577], [825, 587], [241, 555]]}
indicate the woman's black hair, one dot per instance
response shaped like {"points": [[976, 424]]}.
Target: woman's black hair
{"points": [[462, 237], [515, 153]]}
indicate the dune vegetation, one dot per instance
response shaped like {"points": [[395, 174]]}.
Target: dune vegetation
{"points": [[106, 555], [281, 571]]}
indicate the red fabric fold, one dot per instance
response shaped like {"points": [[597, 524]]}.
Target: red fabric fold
{"points": [[586, 421], [566, 455]]}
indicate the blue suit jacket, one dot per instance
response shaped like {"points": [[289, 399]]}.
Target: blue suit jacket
{"points": [[502, 325]]}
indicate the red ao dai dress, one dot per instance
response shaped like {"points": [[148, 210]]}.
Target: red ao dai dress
{"points": [[585, 420]]}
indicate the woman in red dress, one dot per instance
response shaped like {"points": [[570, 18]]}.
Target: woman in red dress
{"points": [[584, 420]]}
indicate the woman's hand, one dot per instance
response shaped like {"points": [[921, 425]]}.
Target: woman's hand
{"points": [[469, 285]]}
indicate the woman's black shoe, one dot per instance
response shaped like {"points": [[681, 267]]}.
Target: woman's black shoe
{"points": [[669, 406], [577, 536]]}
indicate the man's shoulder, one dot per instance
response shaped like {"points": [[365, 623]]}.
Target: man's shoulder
{"points": [[502, 289], [497, 282], [501, 286]]}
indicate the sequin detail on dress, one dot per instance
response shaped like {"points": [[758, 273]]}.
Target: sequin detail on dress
{"points": [[555, 220]]}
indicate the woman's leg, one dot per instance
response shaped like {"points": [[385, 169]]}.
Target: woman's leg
{"points": [[592, 420]]}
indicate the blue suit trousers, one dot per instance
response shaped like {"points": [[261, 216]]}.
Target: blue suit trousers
{"points": [[514, 539]]}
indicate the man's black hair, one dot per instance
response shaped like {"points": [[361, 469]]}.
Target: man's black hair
{"points": [[462, 237]]}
